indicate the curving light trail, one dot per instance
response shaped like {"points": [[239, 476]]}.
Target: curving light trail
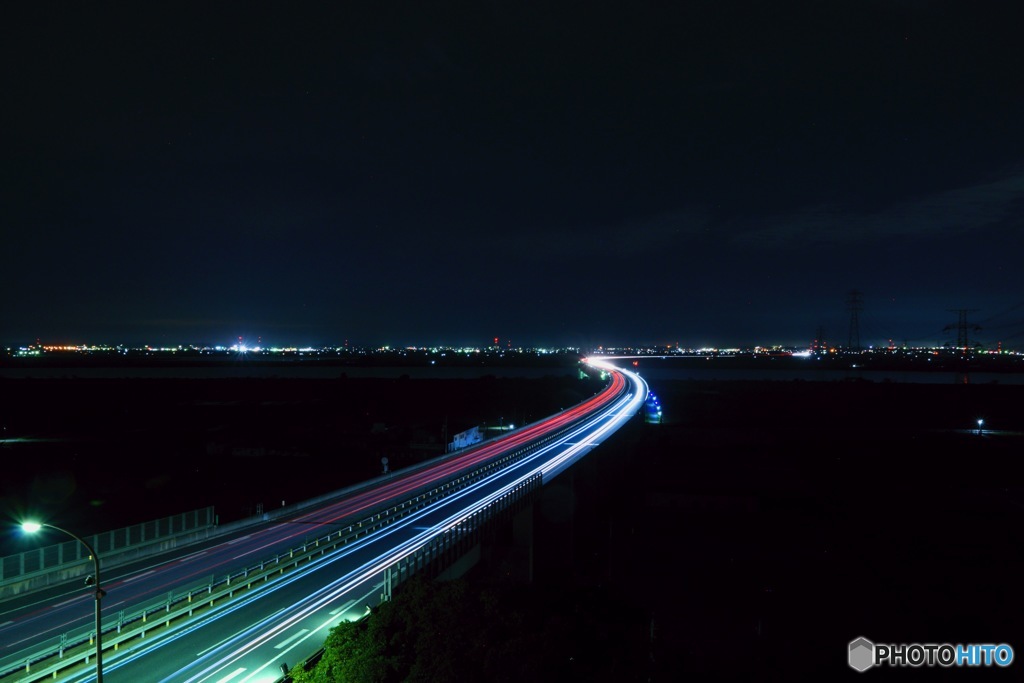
{"points": [[247, 653], [551, 460], [50, 621]]}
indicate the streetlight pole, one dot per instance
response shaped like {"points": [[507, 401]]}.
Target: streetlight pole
{"points": [[32, 527]]}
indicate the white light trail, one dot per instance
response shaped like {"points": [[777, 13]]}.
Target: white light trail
{"points": [[225, 658]]}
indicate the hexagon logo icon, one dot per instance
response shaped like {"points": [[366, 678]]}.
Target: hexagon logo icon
{"points": [[862, 654]]}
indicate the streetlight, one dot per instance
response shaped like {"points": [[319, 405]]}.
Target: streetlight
{"points": [[980, 423], [94, 580]]}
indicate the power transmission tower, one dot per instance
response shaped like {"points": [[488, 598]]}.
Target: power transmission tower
{"points": [[962, 342], [856, 305]]}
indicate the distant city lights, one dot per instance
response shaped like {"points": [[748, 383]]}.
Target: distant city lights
{"points": [[443, 355]]}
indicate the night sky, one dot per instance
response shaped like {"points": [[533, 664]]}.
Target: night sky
{"points": [[707, 173]]}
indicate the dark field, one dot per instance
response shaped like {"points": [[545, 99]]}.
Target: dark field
{"points": [[766, 525], [762, 526]]}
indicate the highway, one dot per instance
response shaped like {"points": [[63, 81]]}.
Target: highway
{"points": [[249, 637]]}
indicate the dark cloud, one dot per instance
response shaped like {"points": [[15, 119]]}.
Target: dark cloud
{"points": [[963, 212]]}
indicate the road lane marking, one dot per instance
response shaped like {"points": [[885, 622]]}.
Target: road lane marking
{"points": [[231, 637], [67, 602], [233, 674], [287, 641], [335, 612], [151, 571], [305, 634], [238, 539]]}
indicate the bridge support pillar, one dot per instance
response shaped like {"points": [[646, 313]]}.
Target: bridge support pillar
{"points": [[555, 520], [463, 564], [522, 539], [508, 550]]}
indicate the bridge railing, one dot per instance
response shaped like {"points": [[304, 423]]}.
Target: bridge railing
{"points": [[56, 562], [446, 547], [74, 648]]}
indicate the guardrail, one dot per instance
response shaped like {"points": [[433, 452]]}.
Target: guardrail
{"points": [[58, 562], [441, 550], [446, 547]]}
